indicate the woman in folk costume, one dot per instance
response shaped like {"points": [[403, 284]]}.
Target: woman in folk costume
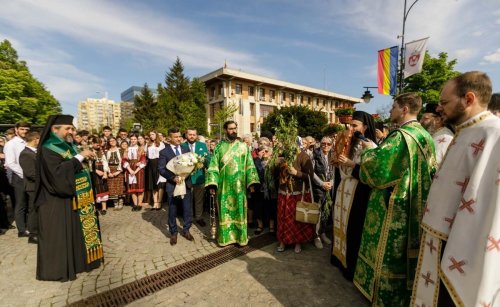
{"points": [[99, 173], [134, 163], [351, 196], [155, 183], [290, 191], [116, 181]]}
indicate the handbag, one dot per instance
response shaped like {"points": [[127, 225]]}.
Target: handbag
{"points": [[307, 212]]}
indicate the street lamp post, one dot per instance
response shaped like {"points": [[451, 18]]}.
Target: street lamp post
{"points": [[402, 59], [367, 96]]}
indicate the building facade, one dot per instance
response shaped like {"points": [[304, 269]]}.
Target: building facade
{"points": [[129, 94], [94, 114], [257, 96]]}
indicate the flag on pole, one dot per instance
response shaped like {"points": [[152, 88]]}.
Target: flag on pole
{"points": [[414, 56], [387, 70]]}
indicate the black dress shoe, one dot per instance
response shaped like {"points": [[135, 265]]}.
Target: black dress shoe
{"points": [[23, 234], [33, 239]]}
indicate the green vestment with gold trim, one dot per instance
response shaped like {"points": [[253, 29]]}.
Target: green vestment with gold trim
{"points": [[399, 172], [232, 171]]}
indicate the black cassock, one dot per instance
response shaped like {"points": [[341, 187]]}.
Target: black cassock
{"points": [[61, 247]]}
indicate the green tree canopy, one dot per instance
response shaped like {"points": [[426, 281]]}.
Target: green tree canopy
{"points": [[180, 103], [145, 109], [310, 122], [435, 72], [22, 96]]}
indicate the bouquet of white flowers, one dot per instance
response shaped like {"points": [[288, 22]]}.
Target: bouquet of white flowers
{"points": [[183, 166]]}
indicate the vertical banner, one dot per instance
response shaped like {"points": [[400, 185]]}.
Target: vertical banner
{"points": [[387, 70], [414, 56]]}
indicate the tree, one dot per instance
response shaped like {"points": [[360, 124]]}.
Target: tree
{"points": [[310, 122], [435, 72], [221, 116], [181, 101], [146, 110], [22, 96]]}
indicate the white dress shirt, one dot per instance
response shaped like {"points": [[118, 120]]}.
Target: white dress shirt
{"points": [[12, 150]]}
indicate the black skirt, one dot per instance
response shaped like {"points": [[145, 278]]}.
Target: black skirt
{"points": [[152, 176]]}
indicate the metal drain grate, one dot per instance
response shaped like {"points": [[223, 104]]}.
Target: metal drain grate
{"points": [[143, 287]]}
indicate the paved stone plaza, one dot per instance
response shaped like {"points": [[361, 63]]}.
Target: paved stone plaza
{"points": [[136, 245]]}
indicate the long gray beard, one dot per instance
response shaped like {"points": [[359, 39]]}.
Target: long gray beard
{"points": [[69, 139]]}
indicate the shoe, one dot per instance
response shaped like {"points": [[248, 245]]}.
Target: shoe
{"points": [[103, 212], [317, 243], [173, 239], [271, 230], [201, 222], [188, 236], [33, 240], [280, 249], [297, 249], [23, 234], [136, 208], [258, 231], [325, 239]]}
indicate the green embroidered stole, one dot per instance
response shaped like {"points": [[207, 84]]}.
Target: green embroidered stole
{"points": [[83, 203]]}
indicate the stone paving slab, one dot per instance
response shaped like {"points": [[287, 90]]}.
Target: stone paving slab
{"points": [[264, 278], [136, 245]]}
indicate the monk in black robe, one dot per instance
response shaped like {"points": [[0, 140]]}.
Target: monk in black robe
{"points": [[65, 204]]}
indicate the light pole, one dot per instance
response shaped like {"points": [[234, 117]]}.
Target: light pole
{"points": [[367, 96], [402, 59]]}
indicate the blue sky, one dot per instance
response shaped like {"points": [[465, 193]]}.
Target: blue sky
{"points": [[82, 49]]}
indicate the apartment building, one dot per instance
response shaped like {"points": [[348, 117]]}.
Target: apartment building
{"points": [[257, 96], [95, 113]]}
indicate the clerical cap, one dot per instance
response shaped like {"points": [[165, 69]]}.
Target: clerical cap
{"points": [[63, 120], [431, 108]]}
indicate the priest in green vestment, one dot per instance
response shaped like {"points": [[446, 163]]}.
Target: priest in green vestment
{"points": [[231, 172], [399, 172]]}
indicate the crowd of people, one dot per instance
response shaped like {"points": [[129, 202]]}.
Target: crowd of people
{"points": [[411, 214]]}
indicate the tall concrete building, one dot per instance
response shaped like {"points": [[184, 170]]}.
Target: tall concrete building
{"points": [[129, 94], [93, 114], [257, 96]]}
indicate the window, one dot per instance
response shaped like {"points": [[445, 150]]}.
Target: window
{"points": [[292, 98], [272, 94], [241, 106], [283, 96], [252, 127], [237, 89], [262, 94], [220, 89], [309, 100], [301, 99], [265, 110], [251, 91], [212, 92], [252, 109]]}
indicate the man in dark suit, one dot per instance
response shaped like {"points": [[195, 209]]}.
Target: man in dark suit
{"points": [[169, 152], [197, 178], [27, 160]]}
